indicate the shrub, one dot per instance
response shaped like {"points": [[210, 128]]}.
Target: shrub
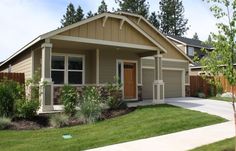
{"points": [[27, 108], [59, 120], [4, 122], [90, 104], [114, 98], [9, 92], [69, 97]]}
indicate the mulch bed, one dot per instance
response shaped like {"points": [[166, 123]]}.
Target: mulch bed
{"points": [[42, 121]]}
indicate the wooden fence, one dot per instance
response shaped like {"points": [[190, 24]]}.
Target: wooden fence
{"points": [[198, 84], [19, 77]]}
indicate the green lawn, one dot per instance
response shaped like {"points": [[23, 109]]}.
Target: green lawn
{"points": [[221, 99], [142, 123], [225, 145]]}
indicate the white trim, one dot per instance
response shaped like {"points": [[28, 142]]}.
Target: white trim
{"points": [[176, 40], [103, 42], [66, 70], [122, 23], [130, 14], [141, 71], [166, 59], [147, 67], [32, 63], [104, 21], [122, 76], [97, 66], [139, 20]]}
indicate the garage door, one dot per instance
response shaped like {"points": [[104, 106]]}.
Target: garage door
{"points": [[173, 83], [172, 80]]}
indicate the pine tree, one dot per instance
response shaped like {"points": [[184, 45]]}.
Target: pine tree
{"points": [[89, 14], [209, 39], [195, 36], [72, 16], [69, 17], [102, 8], [153, 20], [140, 7], [172, 19], [79, 14]]}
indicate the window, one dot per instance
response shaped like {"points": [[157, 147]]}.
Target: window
{"points": [[67, 69], [190, 51], [58, 69], [75, 70]]}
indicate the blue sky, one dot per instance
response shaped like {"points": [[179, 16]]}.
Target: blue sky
{"points": [[24, 20]]}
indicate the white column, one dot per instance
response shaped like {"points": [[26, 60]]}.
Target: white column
{"points": [[46, 84], [97, 65], [158, 84]]}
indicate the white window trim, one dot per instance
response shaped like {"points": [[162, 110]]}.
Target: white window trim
{"points": [[122, 76], [66, 70], [192, 49]]}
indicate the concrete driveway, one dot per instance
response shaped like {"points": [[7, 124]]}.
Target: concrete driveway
{"points": [[219, 108], [184, 140]]}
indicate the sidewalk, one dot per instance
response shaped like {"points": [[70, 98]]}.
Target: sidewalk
{"points": [[179, 141], [189, 139]]}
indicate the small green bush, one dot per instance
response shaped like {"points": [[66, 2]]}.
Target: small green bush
{"points": [[114, 98], [9, 92], [90, 104], [27, 108], [59, 120], [69, 97], [4, 122]]}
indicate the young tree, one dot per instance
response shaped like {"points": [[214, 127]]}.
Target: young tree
{"points": [[153, 20], [89, 14], [195, 36], [172, 19], [140, 7], [69, 17], [102, 8], [79, 15], [224, 44]]}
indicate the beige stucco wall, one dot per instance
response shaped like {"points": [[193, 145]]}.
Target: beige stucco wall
{"points": [[108, 60], [21, 64], [110, 32]]}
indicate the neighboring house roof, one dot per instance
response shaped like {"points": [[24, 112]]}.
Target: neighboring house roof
{"points": [[117, 15], [189, 42]]}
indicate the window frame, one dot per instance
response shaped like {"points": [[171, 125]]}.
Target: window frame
{"points": [[192, 49], [66, 68]]}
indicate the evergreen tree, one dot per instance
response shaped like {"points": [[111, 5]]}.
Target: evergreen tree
{"points": [[209, 39], [69, 17], [102, 8], [195, 36], [140, 7], [72, 16], [79, 14], [171, 17], [153, 20], [89, 14]]}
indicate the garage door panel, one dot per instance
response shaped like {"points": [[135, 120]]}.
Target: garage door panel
{"points": [[171, 78], [173, 83]]}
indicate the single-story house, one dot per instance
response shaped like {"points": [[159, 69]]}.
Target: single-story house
{"points": [[95, 50], [189, 46]]}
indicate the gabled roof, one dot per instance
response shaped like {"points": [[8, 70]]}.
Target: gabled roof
{"points": [[154, 28], [60, 30], [189, 42]]}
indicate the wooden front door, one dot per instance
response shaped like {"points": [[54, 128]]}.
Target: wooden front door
{"points": [[129, 80]]}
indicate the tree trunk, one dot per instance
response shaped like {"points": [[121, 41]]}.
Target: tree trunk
{"points": [[233, 104]]}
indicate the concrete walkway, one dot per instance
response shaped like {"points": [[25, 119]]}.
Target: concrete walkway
{"points": [[189, 139]]}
